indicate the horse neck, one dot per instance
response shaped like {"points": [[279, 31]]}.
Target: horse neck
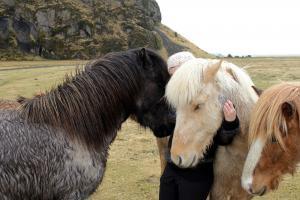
{"points": [[88, 109]]}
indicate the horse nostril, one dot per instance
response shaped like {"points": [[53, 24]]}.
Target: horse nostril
{"points": [[250, 190], [194, 159], [179, 160], [262, 191]]}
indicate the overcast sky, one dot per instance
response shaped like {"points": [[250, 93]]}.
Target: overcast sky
{"points": [[239, 27]]}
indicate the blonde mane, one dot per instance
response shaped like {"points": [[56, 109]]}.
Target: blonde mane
{"points": [[267, 120], [188, 81]]}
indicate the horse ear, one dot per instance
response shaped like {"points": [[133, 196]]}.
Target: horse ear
{"points": [[21, 99], [143, 52], [288, 109], [233, 75], [257, 90], [144, 57], [211, 72]]}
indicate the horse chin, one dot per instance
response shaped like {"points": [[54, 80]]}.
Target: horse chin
{"points": [[275, 183], [201, 155]]}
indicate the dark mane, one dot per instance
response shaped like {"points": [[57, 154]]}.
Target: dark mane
{"points": [[92, 102]]}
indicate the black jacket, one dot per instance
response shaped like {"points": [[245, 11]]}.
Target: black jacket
{"points": [[224, 136]]}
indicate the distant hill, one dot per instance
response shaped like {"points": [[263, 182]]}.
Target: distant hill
{"points": [[84, 29]]}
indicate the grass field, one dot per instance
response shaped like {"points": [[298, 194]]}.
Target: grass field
{"points": [[133, 168], [27, 78]]}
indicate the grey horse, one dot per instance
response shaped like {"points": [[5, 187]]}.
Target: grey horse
{"points": [[55, 146]]}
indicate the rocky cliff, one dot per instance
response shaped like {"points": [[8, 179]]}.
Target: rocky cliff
{"points": [[68, 29]]}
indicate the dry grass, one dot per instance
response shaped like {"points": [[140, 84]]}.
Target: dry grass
{"points": [[269, 71], [28, 78], [133, 168]]}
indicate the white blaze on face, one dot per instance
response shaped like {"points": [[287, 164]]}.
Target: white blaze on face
{"points": [[253, 158]]}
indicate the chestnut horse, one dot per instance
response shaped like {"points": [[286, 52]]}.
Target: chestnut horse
{"points": [[198, 91], [274, 137]]}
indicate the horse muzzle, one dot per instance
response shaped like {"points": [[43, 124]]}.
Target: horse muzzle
{"points": [[262, 191], [184, 162]]}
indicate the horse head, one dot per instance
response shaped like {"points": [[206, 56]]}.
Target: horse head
{"points": [[152, 109], [198, 91], [274, 137]]}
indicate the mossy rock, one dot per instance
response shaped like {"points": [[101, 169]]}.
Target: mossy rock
{"points": [[54, 48], [113, 43], [140, 37], [78, 28]]}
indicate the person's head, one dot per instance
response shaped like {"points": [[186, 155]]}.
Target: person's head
{"points": [[177, 59]]}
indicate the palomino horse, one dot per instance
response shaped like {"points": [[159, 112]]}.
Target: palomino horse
{"points": [[55, 146], [198, 91], [274, 137]]}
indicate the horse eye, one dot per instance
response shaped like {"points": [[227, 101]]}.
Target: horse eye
{"points": [[197, 107], [274, 140]]}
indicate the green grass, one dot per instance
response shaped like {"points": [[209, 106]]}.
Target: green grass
{"points": [[133, 167]]}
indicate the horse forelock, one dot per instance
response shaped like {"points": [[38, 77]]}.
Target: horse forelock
{"points": [[188, 82], [89, 105], [268, 120]]}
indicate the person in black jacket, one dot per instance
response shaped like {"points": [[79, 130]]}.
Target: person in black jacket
{"points": [[195, 183]]}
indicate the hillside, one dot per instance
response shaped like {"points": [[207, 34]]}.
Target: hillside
{"points": [[70, 29]]}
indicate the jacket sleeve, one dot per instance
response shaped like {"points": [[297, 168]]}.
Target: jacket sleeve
{"points": [[227, 131]]}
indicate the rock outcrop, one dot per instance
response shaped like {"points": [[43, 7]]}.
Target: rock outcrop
{"points": [[68, 29]]}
